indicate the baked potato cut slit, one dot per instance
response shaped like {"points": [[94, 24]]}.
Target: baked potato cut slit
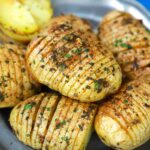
{"points": [[14, 58], [37, 41], [38, 119], [85, 127], [34, 120], [60, 123], [18, 74], [136, 95], [77, 74], [6, 80], [36, 50], [32, 116], [62, 142], [28, 106], [100, 85], [71, 129], [47, 117], [81, 74], [52, 126]]}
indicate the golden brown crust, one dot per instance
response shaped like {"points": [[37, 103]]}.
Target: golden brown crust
{"points": [[68, 58], [127, 38], [123, 121], [50, 121], [15, 82]]}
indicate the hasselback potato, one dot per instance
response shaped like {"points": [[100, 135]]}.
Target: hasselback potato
{"points": [[68, 58], [33, 14], [16, 83], [127, 38], [124, 121], [50, 121]]}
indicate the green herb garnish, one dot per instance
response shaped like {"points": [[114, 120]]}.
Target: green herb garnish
{"points": [[60, 124], [122, 44], [29, 106], [68, 56], [65, 138], [98, 85]]}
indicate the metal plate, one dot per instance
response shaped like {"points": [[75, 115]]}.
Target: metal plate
{"points": [[93, 10]]}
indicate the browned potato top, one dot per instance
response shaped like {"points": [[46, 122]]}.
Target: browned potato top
{"points": [[68, 58], [127, 38]]}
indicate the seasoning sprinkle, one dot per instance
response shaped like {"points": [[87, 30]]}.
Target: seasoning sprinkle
{"points": [[122, 44], [29, 106]]}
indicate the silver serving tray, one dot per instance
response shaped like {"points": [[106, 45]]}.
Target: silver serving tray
{"points": [[92, 10]]}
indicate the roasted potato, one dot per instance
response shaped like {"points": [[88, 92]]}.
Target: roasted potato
{"points": [[68, 58], [22, 19], [124, 121], [49, 121], [16, 83], [127, 38]]}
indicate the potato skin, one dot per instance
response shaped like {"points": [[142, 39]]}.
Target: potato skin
{"points": [[124, 121], [67, 57], [16, 83], [31, 13], [127, 38], [50, 121]]}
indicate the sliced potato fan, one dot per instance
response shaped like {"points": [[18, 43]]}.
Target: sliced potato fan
{"points": [[49, 121], [124, 121], [68, 58], [33, 14], [16, 83], [127, 38]]}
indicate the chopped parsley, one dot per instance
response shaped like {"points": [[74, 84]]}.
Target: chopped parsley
{"points": [[122, 44], [68, 56], [126, 101], [65, 138], [91, 63], [98, 85], [60, 124], [86, 50], [62, 66], [29, 106], [77, 51]]}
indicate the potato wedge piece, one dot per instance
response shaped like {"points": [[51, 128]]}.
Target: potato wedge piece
{"points": [[16, 83], [33, 15], [123, 122], [67, 57], [50, 121], [127, 38]]}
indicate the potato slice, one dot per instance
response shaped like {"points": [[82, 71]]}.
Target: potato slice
{"points": [[31, 14], [16, 83], [127, 38], [51, 121], [67, 57], [123, 122]]}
